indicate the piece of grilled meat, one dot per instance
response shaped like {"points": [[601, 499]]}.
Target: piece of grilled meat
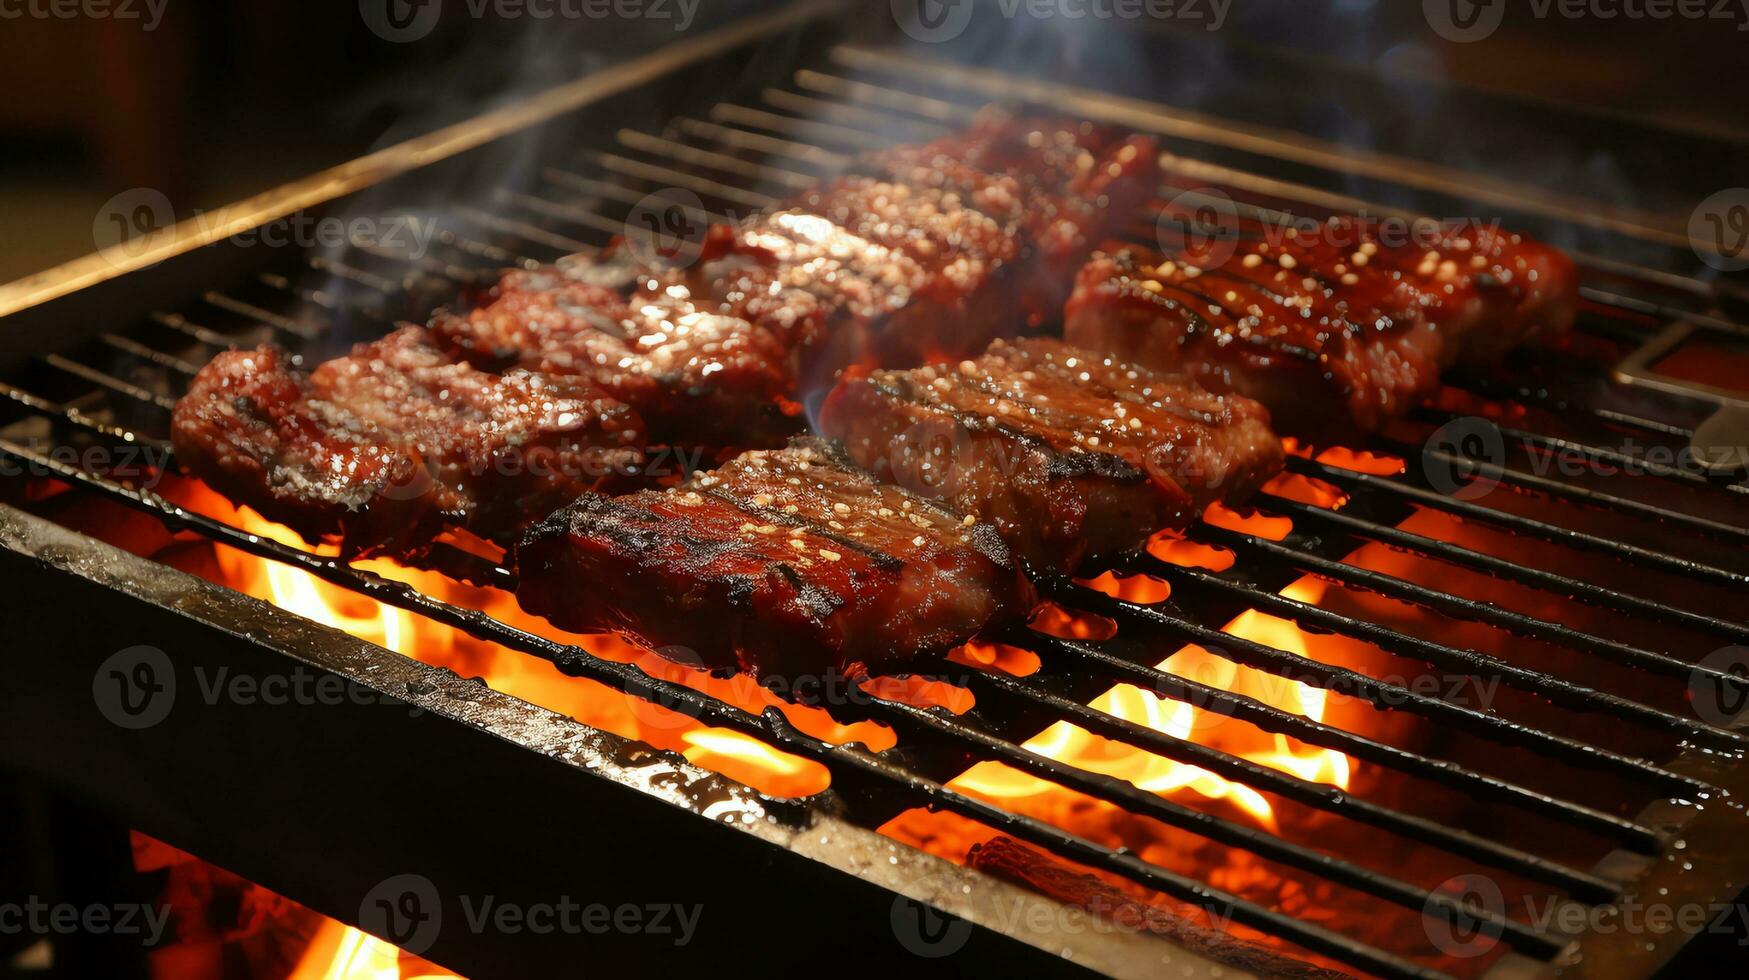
{"points": [[1073, 455], [388, 445], [1334, 329], [783, 563], [694, 373]]}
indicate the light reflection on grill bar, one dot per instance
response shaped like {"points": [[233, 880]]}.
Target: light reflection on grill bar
{"points": [[873, 103]]}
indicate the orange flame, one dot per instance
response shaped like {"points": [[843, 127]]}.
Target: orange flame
{"points": [[529, 678]]}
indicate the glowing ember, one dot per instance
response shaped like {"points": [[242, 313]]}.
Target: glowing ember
{"points": [[527, 677]]}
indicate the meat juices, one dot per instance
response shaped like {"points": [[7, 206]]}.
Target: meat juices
{"points": [[1075, 457], [1336, 331], [388, 445], [789, 562]]}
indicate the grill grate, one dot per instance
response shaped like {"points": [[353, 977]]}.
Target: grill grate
{"points": [[741, 158]]}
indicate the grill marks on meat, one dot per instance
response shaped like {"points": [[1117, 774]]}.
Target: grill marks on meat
{"points": [[1072, 455], [699, 370], [925, 253], [388, 445], [1330, 327], [788, 562]]}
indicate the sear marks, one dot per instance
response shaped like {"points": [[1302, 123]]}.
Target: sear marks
{"points": [[783, 563], [390, 444], [1074, 456], [701, 373], [1333, 329]]}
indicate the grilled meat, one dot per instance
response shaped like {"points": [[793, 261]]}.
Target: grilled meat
{"points": [[922, 256], [1333, 330], [1073, 456], [692, 373], [386, 446], [788, 562]]}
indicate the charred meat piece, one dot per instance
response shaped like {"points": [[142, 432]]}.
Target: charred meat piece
{"points": [[388, 445], [1334, 330], [1066, 185], [783, 563], [1074, 456], [695, 374]]}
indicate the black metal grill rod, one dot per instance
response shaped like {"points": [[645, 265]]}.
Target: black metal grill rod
{"points": [[770, 726], [1577, 494], [1470, 609], [938, 723], [669, 177], [567, 180], [1526, 526], [1536, 578], [1276, 721], [108, 382], [1381, 695], [565, 212], [777, 178], [728, 113], [72, 416], [194, 331], [529, 234], [988, 686], [249, 311], [1471, 662], [732, 138], [494, 254], [935, 110], [134, 348], [1555, 446], [845, 114]]}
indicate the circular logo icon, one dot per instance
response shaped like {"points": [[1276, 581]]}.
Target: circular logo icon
{"points": [[1719, 687], [405, 910], [933, 21], [1463, 21], [1200, 227], [1455, 931], [930, 457], [664, 707], [135, 688], [921, 928], [667, 227], [400, 21], [1719, 230], [130, 223], [1456, 456]]}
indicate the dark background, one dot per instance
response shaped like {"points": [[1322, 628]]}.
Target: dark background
{"points": [[225, 99]]}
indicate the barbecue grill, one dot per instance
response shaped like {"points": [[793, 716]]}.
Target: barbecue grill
{"points": [[1549, 530]]}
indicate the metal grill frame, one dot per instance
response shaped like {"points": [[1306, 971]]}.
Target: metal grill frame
{"points": [[843, 100]]}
